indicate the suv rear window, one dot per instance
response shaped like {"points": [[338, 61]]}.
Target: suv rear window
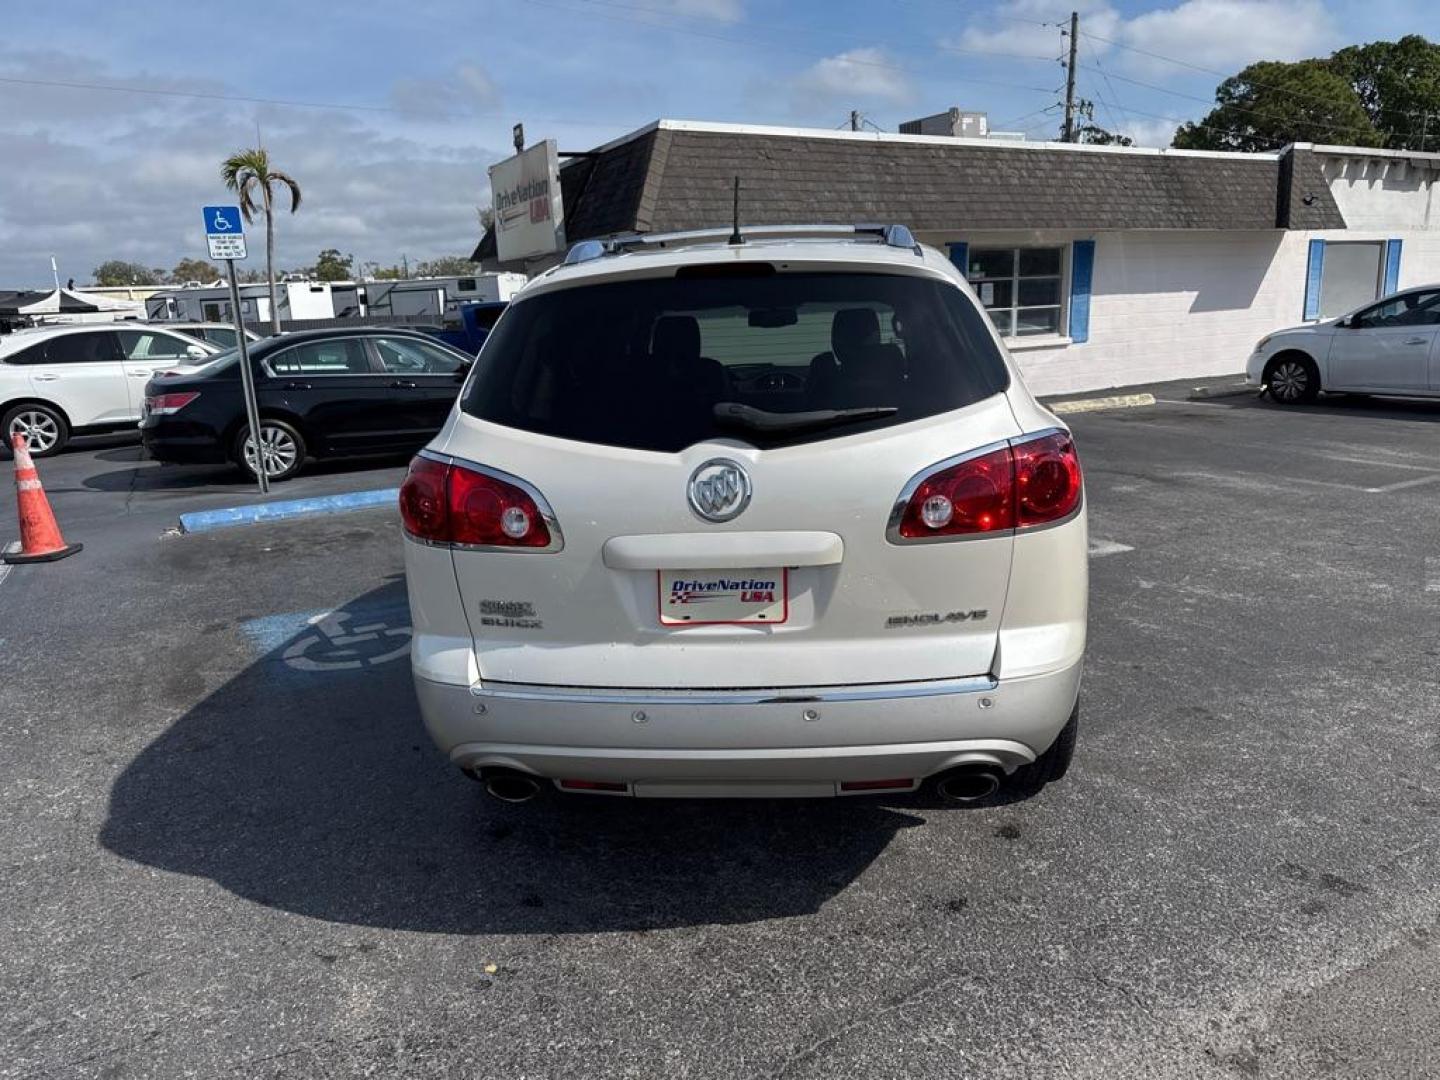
{"points": [[662, 363]]}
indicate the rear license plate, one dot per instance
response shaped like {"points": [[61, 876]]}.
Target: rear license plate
{"points": [[698, 597]]}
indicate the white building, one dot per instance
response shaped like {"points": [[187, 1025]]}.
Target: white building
{"points": [[1101, 265]]}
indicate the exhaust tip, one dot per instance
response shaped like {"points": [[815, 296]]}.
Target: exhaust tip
{"points": [[509, 786], [970, 783]]}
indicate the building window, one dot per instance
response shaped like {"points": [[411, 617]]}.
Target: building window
{"points": [[1022, 289]]}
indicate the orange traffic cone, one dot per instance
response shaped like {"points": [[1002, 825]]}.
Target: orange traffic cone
{"points": [[40, 539]]}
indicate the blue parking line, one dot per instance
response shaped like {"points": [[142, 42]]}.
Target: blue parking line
{"points": [[209, 520]]}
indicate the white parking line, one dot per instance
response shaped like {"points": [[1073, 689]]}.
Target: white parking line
{"points": [[1262, 482], [6, 567], [1404, 484], [1100, 548], [1432, 574]]}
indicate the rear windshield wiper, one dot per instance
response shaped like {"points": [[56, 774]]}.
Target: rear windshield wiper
{"points": [[747, 416]]}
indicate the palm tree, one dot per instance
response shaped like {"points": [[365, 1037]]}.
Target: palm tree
{"points": [[247, 172]]}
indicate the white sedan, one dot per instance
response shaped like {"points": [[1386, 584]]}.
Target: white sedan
{"points": [[1391, 346], [56, 381]]}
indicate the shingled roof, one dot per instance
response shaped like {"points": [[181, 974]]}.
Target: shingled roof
{"points": [[678, 175]]}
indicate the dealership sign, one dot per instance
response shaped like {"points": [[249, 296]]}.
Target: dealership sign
{"points": [[529, 216]]}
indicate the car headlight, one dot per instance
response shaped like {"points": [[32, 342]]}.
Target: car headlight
{"points": [[1263, 342]]}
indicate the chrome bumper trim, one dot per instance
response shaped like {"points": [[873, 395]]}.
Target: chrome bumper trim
{"points": [[976, 684]]}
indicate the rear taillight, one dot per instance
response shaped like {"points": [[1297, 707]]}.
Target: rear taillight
{"points": [[1047, 479], [166, 404], [455, 504], [1021, 485]]}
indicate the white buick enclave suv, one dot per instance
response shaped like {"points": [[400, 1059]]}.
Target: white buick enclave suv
{"points": [[763, 518]]}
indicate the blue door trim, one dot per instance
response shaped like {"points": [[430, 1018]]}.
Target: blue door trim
{"points": [[1314, 270], [1082, 275], [1392, 267]]}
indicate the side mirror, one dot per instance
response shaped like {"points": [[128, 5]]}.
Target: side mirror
{"points": [[195, 352]]}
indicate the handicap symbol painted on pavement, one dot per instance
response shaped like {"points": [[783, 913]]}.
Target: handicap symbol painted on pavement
{"points": [[332, 646]]}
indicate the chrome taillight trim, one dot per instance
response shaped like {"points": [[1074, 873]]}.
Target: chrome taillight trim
{"points": [[557, 538], [897, 512]]}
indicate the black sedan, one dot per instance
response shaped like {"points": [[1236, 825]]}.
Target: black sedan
{"points": [[322, 393]]}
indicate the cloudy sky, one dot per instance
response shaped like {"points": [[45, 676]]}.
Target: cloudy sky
{"points": [[388, 113]]}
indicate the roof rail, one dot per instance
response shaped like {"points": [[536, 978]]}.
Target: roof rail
{"points": [[587, 250]]}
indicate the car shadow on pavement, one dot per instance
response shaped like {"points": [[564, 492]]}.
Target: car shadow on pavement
{"points": [[150, 475], [1414, 410], [308, 784]]}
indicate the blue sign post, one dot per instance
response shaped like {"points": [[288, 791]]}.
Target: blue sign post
{"points": [[225, 234]]}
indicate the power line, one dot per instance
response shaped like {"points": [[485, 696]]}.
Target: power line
{"points": [[284, 102], [1113, 96], [1026, 116], [1227, 75], [788, 28], [765, 43], [1321, 124], [194, 94]]}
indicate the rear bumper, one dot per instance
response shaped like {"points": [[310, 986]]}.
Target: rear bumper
{"points": [[790, 741], [182, 449]]}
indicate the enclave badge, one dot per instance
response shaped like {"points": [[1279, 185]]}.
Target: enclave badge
{"points": [[719, 490]]}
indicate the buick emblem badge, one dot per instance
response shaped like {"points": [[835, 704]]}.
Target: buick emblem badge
{"points": [[719, 490]]}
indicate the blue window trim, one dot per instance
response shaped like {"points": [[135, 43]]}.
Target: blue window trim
{"points": [[960, 255], [1314, 270], [1082, 275], [1392, 267]]}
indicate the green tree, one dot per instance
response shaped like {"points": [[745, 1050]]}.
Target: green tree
{"points": [[193, 270], [332, 266], [1270, 104], [248, 173], [1398, 84], [445, 266], [119, 272]]}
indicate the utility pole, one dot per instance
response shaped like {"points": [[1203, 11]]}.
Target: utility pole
{"points": [[1069, 133], [854, 119]]}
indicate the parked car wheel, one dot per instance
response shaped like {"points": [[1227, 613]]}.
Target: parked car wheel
{"points": [[43, 426], [1292, 379], [282, 449]]}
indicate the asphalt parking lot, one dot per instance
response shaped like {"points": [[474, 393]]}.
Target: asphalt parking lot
{"points": [[230, 850]]}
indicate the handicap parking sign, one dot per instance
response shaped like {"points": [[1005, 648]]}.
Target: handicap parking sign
{"points": [[225, 232]]}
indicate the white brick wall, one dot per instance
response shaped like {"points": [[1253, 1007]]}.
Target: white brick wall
{"points": [[1383, 193], [1184, 303]]}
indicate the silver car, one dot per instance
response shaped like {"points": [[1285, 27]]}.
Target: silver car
{"points": [[1391, 346], [776, 518]]}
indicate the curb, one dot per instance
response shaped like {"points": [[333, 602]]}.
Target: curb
{"points": [[210, 520], [1200, 393], [1118, 401]]}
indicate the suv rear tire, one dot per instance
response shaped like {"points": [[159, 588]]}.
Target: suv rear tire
{"points": [[43, 426]]}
